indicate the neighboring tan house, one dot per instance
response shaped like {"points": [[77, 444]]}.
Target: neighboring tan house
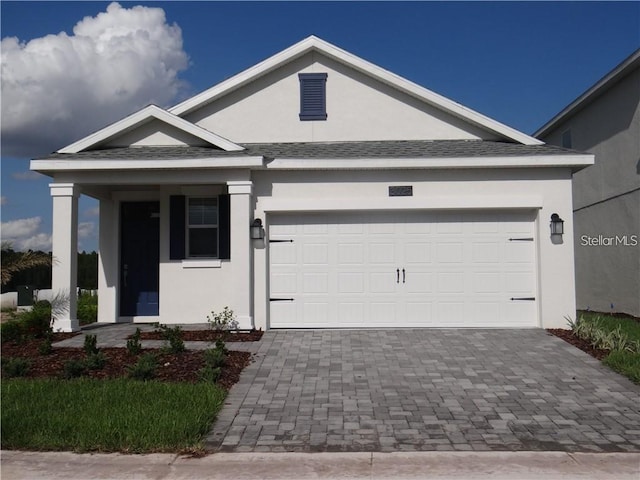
{"points": [[605, 120], [316, 189]]}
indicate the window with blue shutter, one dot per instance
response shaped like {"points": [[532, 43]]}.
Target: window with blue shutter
{"points": [[313, 96], [199, 227]]}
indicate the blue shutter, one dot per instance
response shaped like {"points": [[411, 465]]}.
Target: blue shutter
{"points": [[177, 207], [224, 225], [313, 96]]}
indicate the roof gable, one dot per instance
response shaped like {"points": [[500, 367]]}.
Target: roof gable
{"points": [[167, 126], [314, 44]]}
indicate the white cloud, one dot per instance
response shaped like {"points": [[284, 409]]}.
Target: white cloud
{"points": [[23, 234], [28, 175], [92, 212], [40, 241], [20, 228], [58, 88], [86, 229]]}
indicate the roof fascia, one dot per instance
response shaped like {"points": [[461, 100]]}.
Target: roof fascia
{"points": [[359, 64], [142, 116], [51, 165], [576, 162], [631, 63]]}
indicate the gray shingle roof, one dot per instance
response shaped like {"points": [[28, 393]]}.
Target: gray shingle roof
{"points": [[328, 150]]}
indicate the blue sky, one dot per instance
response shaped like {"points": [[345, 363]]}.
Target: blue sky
{"points": [[519, 63]]}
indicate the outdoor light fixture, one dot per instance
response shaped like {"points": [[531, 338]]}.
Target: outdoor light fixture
{"points": [[557, 225], [257, 232]]}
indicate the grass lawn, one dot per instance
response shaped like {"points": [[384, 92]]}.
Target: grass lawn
{"points": [[601, 329], [107, 415]]}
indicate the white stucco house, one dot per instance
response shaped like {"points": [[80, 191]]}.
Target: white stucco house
{"points": [[317, 190]]}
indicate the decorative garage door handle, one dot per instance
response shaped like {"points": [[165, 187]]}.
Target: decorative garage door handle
{"points": [[397, 275], [523, 298], [403, 275]]}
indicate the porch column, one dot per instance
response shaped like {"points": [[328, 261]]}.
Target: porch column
{"points": [[240, 192], [65, 257]]}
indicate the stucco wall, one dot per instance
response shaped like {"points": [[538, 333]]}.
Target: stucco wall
{"points": [[606, 197], [476, 189], [358, 108]]}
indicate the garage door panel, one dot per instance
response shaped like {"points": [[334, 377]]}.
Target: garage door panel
{"points": [[284, 283], [350, 253], [346, 270], [351, 283]]}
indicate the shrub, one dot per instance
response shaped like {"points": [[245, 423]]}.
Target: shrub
{"points": [[91, 345], [15, 367], [173, 335], [12, 331], [96, 361], [37, 321], [134, 347], [46, 347], [144, 368], [209, 374], [224, 320], [87, 308], [74, 368], [214, 357], [220, 345]]}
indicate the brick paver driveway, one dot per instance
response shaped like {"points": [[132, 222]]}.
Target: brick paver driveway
{"points": [[426, 389]]}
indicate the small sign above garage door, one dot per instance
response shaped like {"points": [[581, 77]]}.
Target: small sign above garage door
{"points": [[402, 269]]}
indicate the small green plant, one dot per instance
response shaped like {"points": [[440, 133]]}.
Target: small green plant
{"points": [[220, 345], [91, 344], [214, 357], [15, 367], [95, 361], [173, 335], [12, 331], [37, 321], [74, 368], [134, 347], [209, 374], [144, 368], [46, 346], [222, 321], [87, 308]]}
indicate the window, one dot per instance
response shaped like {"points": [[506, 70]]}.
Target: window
{"points": [[202, 227], [313, 96], [566, 139]]}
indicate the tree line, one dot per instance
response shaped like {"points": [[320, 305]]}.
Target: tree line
{"points": [[39, 276]]}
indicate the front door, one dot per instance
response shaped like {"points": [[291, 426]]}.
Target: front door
{"points": [[139, 258]]}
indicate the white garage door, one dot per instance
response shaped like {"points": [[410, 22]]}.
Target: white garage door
{"points": [[402, 269]]}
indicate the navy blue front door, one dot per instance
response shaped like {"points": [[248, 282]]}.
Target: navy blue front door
{"points": [[139, 258]]}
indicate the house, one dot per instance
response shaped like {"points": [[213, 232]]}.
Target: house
{"points": [[605, 121], [316, 189]]}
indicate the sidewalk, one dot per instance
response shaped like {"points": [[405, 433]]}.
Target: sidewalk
{"points": [[17, 465]]}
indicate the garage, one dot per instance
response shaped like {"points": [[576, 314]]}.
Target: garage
{"points": [[402, 269]]}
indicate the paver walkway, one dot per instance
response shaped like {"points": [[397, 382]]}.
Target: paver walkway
{"points": [[426, 389]]}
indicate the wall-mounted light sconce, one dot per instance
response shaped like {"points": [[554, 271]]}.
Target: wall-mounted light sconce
{"points": [[256, 230], [557, 225]]}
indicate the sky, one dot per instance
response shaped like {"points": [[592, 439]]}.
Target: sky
{"points": [[71, 68]]}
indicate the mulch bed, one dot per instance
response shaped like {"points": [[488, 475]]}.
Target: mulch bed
{"points": [[209, 335], [181, 367], [585, 346]]}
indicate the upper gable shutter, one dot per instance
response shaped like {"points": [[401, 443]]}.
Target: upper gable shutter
{"points": [[224, 224], [313, 98], [177, 227]]}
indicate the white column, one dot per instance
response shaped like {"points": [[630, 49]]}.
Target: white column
{"points": [[240, 192], [65, 257]]}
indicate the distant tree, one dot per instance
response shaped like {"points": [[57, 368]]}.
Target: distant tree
{"points": [[16, 262]]}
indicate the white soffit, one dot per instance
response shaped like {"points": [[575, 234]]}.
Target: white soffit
{"points": [[143, 116], [361, 65]]}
